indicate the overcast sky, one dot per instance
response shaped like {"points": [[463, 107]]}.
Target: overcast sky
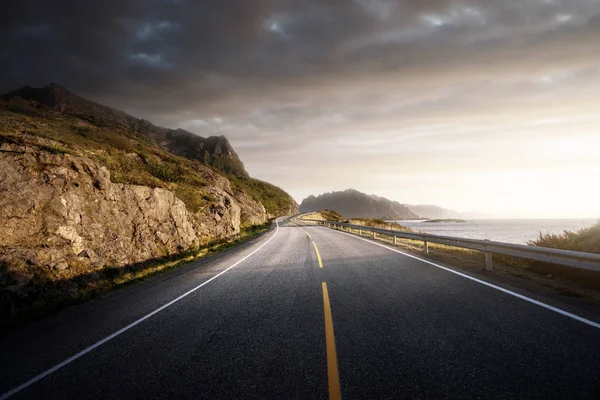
{"points": [[487, 106]]}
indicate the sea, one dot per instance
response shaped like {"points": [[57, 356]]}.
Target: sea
{"points": [[518, 231]]}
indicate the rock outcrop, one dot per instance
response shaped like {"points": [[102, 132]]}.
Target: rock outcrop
{"points": [[84, 186], [62, 212], [58, 211]]}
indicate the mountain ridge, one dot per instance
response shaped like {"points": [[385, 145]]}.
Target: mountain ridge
{"points": [[351, 203], [213, 151]]}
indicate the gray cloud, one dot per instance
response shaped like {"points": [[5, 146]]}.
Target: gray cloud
{"points": [[288, 80], [116, 46]]}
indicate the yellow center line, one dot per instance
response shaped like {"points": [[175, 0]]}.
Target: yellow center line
{"points": [[333, 377], [307, 234], [318, 255]]}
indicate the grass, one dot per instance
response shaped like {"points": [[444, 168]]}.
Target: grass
{"points": [[379, 223], [275, 200], [46, 296], [586, 240], [325, 215], [330, 215]]}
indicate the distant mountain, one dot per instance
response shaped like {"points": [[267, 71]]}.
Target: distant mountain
{"points": [[352, 203], [214, 151], [433, 212]]}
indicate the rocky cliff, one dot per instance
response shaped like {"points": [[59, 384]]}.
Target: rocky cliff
{"points": [[76, 196], [63, 213]]}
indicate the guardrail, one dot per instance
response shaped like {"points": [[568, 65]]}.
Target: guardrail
{"points": [[568, 258]]}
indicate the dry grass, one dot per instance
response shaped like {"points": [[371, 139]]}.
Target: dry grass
{"points": [[586, 240], [379, 223], [325, 215]]}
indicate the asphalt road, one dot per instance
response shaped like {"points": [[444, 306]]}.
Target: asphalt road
{"points": [[369, 324]]}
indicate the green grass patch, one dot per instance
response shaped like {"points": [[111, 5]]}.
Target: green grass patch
{"points": [[275, 200]]}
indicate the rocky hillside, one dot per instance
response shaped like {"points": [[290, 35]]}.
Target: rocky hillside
{"points": [[352, 203], [83, 186], [214, 151]]}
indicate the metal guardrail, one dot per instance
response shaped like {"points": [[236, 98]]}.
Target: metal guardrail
{"points": [[568, 258]]}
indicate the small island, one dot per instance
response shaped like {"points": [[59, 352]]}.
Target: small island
{"points": [[447, 220]]}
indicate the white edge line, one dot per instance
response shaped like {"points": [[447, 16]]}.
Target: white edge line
{"points": [[126, 328], [520, 296]]}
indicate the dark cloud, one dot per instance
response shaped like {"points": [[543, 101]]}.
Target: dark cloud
{"points": [[119, 46], [406, 86]]}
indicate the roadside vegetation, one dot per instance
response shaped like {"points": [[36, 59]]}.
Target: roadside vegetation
{"points": [[325, 215], [586, 240], [331, 215], [379, 223], [276, 200], [45, 295]]}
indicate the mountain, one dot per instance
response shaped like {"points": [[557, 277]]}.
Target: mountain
{"points": [[214, 151], [84, 186], [351, 203], [433, 212]]}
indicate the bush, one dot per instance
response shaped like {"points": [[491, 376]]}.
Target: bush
{"points": [[166, 172], [586, 240]]}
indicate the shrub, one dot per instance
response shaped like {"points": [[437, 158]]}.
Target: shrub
{"points": [[586, 240]]}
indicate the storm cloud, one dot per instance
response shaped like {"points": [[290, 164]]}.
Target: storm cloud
{"points": [[310, 84]]}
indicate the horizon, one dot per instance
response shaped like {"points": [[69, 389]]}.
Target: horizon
{"points": [[474, 214], [470, 106]]}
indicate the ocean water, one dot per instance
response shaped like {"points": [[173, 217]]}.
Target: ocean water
{"points": [[501, 230]]}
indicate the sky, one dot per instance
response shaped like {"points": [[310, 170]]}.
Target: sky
{"points": [[482, 106]]}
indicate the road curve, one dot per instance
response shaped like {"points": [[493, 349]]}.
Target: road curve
{"points": [[304, 313]]}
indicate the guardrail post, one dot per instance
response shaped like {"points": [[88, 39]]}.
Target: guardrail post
{"points": [[374, 237], [359, 232], [426, 246], [395, 239], [489, 265]]}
